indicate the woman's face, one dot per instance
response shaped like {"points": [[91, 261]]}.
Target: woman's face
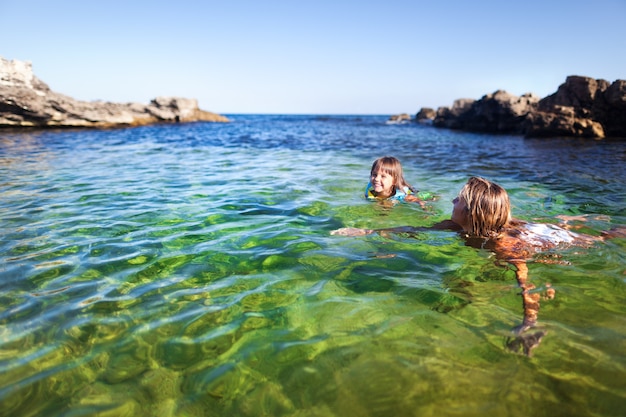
{"points": [[382, 182], [460, 212]]}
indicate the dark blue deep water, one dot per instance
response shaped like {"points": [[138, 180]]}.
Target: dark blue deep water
{"points": [[189, 270]]}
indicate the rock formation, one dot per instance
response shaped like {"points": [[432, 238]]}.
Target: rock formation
{"points": [[425, 115], [26, 101], [581, 107], [499, 112], [399, 118]]}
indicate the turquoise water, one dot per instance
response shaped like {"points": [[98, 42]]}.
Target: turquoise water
{"points": [[189, 270]]}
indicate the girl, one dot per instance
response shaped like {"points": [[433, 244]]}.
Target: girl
{"points": [[387, 182], [482, 214]]}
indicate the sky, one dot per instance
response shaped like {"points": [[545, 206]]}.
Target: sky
{"points": [[313, 57]]}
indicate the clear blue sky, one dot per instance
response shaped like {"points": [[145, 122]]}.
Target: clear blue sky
{"points": [[313, 57]]}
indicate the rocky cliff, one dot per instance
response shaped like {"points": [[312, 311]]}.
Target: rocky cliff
{"points": [[581, 107], [26, 101]]}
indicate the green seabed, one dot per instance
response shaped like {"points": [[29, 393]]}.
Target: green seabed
{"points": [[142, 278]]}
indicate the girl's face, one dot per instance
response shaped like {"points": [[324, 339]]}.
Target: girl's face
{"points": [[382, 182], [459, 213]]}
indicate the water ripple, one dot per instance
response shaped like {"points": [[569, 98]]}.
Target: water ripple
{"points": [[189, 268]]}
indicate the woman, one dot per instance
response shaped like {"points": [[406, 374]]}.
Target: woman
{"points": [[482, 214]]}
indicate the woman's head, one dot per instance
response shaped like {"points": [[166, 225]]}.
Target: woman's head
{"points": [[386, 175], [482, 208]]}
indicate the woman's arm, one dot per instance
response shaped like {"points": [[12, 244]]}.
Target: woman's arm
{"points": [[512, 250], [352, 231], [530, 299]]}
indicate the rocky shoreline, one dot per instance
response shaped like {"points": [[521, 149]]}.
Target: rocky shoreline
{"points": [[28, 102], [581, 107]]}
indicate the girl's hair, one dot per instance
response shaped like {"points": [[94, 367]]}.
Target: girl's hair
{"points": [[390, 165], [488, 205]]}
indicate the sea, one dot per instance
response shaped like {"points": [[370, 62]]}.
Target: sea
{"points": [[190, 270]]}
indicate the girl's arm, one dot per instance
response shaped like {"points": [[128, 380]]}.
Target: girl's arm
{"points": [[412, 198]]}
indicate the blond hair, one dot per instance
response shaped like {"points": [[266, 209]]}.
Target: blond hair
{"points": [[391, 166], [488, 205]]}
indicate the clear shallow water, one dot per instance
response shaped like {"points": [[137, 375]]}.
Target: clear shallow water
{"points": [[189, 270]]}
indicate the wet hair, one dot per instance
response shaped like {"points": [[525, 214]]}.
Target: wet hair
{"points": [[488, 207], [391, 166]]}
